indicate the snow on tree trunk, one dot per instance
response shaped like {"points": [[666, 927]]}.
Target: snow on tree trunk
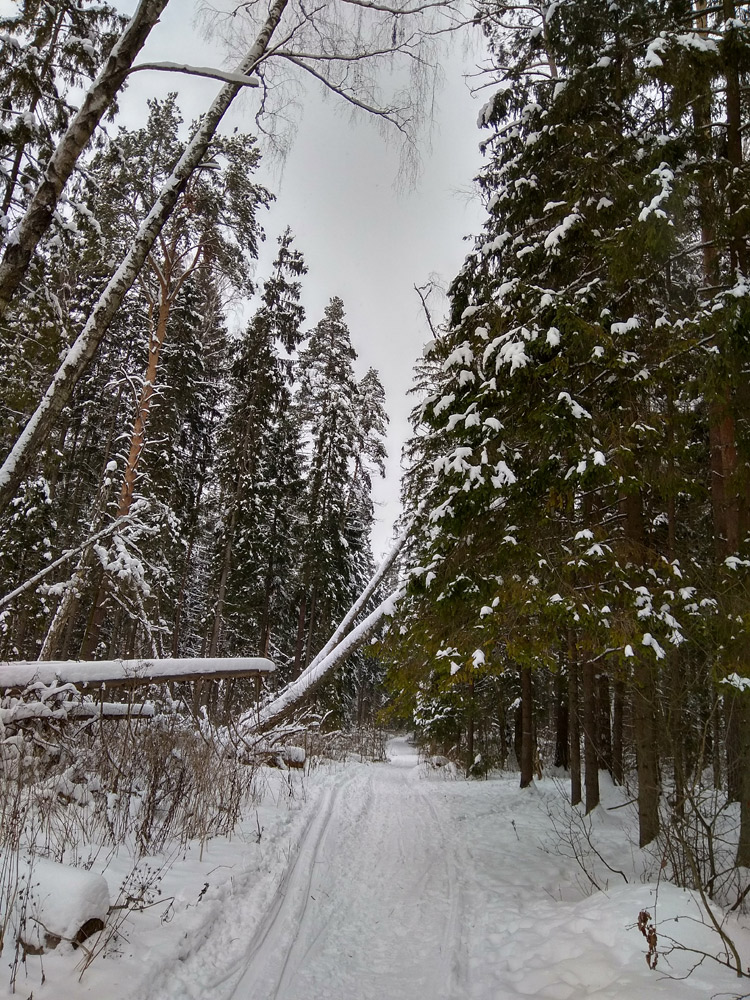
{"points": [[39, 214], [313, 676]]}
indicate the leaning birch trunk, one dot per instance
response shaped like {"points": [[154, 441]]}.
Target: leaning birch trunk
{"points": [[311, 678], [364, 597], [38, 216], [82, 352]]}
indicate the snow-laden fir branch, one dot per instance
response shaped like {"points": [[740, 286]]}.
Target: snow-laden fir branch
{"points": [[67, 554]]}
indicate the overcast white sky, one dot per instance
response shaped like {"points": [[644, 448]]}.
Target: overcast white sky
{"points": [[364, 239]]}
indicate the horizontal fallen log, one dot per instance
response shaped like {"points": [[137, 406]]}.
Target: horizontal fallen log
{"points": [[18, 676], [23, 711]]}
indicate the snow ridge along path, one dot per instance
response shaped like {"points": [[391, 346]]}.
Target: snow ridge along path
{"points": [[400, 884]]}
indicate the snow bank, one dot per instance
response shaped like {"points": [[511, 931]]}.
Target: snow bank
{"points": [[55, 901]]}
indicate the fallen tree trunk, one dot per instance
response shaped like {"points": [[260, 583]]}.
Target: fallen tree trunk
{"points": [[359, 604], [74, 710], [129, 673], [311, 678]]}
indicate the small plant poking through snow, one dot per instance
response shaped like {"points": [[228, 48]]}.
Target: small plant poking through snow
{"points": [[647, 929]]}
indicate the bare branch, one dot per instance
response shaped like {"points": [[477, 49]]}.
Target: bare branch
{"points": [[207, 71]]}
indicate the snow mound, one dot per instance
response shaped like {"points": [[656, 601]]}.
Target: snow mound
{"points": [[55, 901]]}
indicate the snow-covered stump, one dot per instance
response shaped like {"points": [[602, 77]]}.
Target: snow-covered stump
{"points": [[56, 903]]}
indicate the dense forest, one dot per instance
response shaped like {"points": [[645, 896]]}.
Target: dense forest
{"points": [[573, 568], [578, 481]]}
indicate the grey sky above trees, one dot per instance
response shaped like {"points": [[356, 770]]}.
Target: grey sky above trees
{"points": [[366, 239]]}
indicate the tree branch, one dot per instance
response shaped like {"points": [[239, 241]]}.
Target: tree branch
{"points": [[206, 71]]}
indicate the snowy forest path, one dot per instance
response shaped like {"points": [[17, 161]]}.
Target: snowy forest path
{"points": [[371, 905], [391, 881]]}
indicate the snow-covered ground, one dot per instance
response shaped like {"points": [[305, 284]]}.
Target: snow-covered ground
{"points": [[396, 881]]}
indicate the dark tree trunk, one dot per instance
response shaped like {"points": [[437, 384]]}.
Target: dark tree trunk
{"points": [[604, 739], [618, 773], [574, 724], [300, 644], [470, 721], [527, 728], [743, 847], [644, 732], [590, 725], [561, 720]]}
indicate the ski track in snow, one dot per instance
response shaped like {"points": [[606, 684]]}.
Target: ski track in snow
{"points": [[371, 905], [392, 881]]}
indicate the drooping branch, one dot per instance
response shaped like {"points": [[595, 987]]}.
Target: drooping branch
{"points": [[68, 554]]}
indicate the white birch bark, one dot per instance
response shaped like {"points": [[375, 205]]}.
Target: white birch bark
{"points": [[40, 212], [314, 675]]}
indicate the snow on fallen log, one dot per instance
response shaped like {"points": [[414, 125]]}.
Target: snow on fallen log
{"points": [[56, 902], [23, 711], [19, 676], [316, 673]]}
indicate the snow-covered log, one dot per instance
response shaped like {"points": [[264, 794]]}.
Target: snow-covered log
{"points": [[129, 673], [23, 711], [316, 673]]}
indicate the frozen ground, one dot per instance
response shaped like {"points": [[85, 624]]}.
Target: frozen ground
{"points": [[392, 881]]}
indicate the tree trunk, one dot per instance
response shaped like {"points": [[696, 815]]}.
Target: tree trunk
{"points": [[470, 722], [590, 725], [604, 735], [618, 773], [300, 644], [743, 847], [527, 728], [644, 732], [574, 725], [143, 410], [561, 721], [40, 212]]}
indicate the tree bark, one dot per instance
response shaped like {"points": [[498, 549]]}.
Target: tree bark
{"points": [[470, 722], [604, 712], [527, 728], [644, 732], [574, 725], [590, 726], [618, 773], [561, 721], [742, 859]]}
